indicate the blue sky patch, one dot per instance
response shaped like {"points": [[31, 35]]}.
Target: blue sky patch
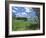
{"points": [[23, 12]]}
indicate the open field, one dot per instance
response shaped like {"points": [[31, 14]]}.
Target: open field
{"points": [[19, 25]]}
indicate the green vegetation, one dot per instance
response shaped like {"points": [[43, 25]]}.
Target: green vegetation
{"points": [[19, 25]]}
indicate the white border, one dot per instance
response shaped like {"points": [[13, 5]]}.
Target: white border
{"points": [[25, 32]]}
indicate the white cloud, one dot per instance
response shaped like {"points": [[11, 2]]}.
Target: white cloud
{"points": [[13, 11], [21, 14], [28, 9], [16, 8], [24, 13]]}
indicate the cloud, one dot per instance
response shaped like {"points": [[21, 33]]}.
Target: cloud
{"points": [[23, 12], [18, 9], [13, 11], [28, 9]]}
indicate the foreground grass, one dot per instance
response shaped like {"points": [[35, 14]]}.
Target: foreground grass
{"points": [[23, 25]]}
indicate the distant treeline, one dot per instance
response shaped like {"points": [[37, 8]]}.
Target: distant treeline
{"points": [[21, 18]]}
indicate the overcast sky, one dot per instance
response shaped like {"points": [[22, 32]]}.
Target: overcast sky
{"points": [[23, 12]]}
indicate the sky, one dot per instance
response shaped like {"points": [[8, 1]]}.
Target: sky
{"points": [[27, 12]]}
